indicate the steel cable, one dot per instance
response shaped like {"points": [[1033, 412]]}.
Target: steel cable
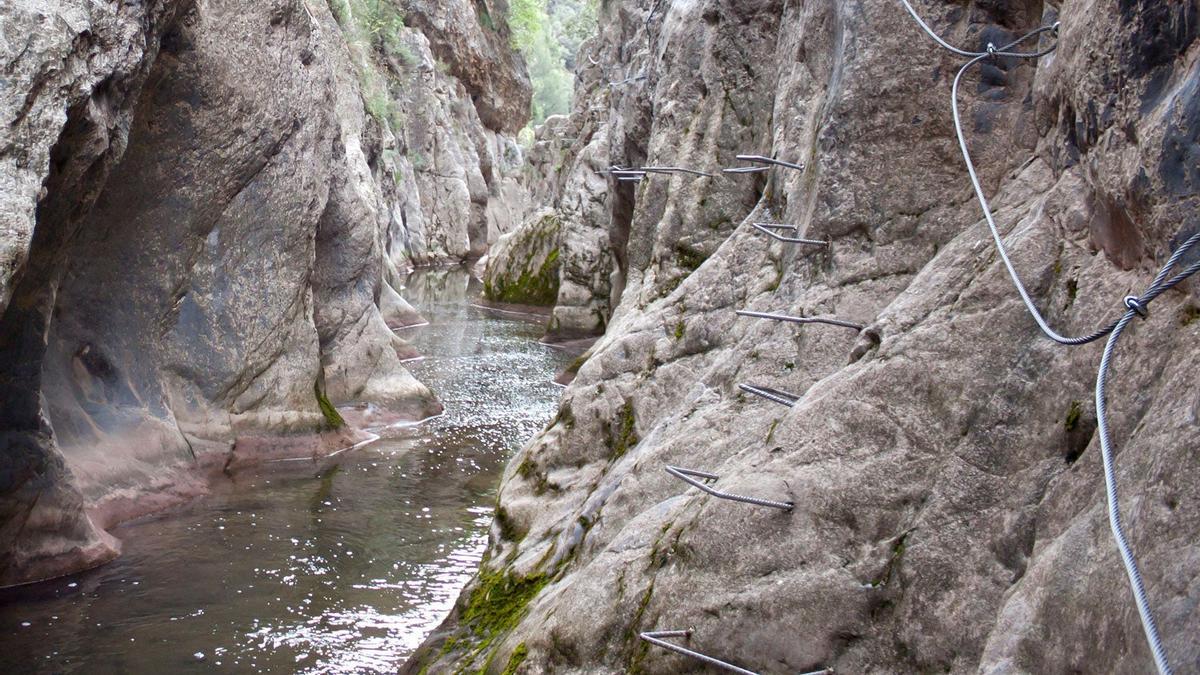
{"points": [[1136, 305]]}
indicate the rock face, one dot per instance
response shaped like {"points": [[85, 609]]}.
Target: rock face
{"points": [[949, 500], [196, 268], [447, 95], [523, 266]]}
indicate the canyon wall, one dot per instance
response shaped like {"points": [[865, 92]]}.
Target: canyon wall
{"points": [[943, 461], [205, 208]]}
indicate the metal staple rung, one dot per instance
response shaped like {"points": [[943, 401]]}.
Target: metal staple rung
{"points": [[655, 638], [759, 159], [780, 397], [791, 240], [801, 319], [689, 476], [630, 179], [675, 169]]}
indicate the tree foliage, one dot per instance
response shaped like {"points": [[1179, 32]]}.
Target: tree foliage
{"points": [[548, 34]]}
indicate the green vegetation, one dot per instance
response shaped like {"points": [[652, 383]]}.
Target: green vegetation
{"points": [[623, 435], [548, 34], [374, 29], [515, 659], [1073, 415], [333, 419], [498, 601], [689, 258], [534, 286]]}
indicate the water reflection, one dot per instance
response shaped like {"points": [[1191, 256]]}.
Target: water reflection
{"points": [[340, 567]]}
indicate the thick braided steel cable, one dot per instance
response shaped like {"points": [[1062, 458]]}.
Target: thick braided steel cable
{"points": [[689, 476], [1002, 51], [1136, 307]]}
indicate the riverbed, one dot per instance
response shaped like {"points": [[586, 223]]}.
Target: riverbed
{"points": [[337, 566]]}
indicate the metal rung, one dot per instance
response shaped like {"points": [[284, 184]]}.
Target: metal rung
{"points": [[675, 169], [630, 179], [627, 80], [759, 159], [801, 319], [655, 638], [780, 397], [689, 476], [791, 240]]}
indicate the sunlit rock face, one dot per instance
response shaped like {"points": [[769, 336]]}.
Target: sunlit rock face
{"points": [[943, 462], [195, 251]]}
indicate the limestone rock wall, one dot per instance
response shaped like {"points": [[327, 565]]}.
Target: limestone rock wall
{"points": [[943, 462], [203, 225]]}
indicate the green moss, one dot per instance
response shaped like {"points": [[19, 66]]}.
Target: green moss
{"points": [[637, 648], [508, 529], [771, 431], [1073, 414], [515, 659], [534, 286], [1191, 314], [688, 257], [498, 602], [679, 329], [623, 434], [333, 419]]}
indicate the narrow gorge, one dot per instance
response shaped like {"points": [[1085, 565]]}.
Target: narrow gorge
{"points": [[756, 249]]}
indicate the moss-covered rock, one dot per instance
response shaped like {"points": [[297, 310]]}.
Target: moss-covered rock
{"points": [[523, 265]]}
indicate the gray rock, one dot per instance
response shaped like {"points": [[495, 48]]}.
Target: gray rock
{"points": [[949, 499]]}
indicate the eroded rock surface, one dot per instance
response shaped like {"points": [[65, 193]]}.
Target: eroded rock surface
{"points": [[203, 220], [943, 462]]}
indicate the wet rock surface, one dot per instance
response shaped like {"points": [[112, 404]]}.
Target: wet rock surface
{"points": [[943, 462]]}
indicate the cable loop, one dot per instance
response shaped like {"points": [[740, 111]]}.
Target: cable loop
{"points": [[1135, 303]]}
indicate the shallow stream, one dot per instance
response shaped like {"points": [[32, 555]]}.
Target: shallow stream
{"points": [[334, 567]]}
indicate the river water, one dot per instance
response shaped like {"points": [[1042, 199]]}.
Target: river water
{"points": [[343, 566]]}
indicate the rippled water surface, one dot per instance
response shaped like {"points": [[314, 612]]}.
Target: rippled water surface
{"points": [[342, 566]]}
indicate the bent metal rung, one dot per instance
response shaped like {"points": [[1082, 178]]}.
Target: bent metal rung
{"points": [[675, 169], [801, 319], [766, 229], [759, 159], [689, 476], [780, 397], [656, 638]]}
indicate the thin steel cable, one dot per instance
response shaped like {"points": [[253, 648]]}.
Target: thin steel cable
{"points": [[653, 637], [800, 319], [774, 395], [689, 476], [747, 169], [790, 240]]}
